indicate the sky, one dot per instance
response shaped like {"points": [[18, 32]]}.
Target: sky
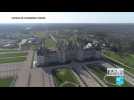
{"points": [[68, 17]]}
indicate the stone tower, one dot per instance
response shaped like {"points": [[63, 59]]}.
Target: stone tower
{"points": [[62, 51]]}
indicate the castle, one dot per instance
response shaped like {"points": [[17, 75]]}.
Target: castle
{"points": [[66, 51]]}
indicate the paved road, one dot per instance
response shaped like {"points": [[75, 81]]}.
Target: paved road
{"points": [[96, 77], [71, 64], [41, 78], [86, 77], [22, 79], [129, 79], [11, 66], [10, 69], [36, 78], [23, 75], [89, 80], [48, 78], [80, 81]]}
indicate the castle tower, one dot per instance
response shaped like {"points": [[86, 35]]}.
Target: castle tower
{"points": [[62, 51], [40, 56]]}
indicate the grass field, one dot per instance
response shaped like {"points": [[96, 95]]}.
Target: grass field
{"points": [[5, 82], [65, 75], [9, 57], [39, 34], [127, 60], [5, 55], [98, 72], [8, 50], [49, 43], [11, 60]]}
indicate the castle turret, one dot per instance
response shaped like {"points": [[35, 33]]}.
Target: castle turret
{"points": [[40, 56], [62, 45]]}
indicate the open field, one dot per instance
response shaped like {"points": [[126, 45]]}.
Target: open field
{"points": [[127, 62], [49, 43], [14, 59], [66, 77], [5, 55], [8, 57], [8, 50], [5, 82], [127, 59], [39, 34]]}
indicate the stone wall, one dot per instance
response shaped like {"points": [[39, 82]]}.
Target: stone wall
{"points": [[40, 60]]}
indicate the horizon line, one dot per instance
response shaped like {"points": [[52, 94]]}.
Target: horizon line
{"points": [[66, 23]]}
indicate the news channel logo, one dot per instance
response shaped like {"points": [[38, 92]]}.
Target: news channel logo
{"points": [[119, 80], [118, 73]]}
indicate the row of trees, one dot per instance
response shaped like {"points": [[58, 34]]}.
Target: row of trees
{"points": [[117, 44]]}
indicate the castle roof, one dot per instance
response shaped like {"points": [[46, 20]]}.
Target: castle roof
{"points": [[89, 45], [52, 50]]}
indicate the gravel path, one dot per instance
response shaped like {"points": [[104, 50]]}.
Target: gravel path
{"points": [[86, 77]]}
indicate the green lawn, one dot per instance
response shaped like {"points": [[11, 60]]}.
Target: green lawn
{"points": [[49, 43], [10, 60], [65, 75], [8, 57], [39, 34], [8, 50], [5, 55], [5, 82], [98, 72], [127, 60], [34, 47]]}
